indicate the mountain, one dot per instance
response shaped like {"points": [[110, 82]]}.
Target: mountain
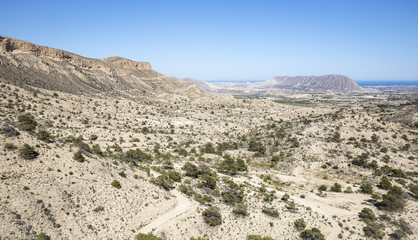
{"points": [[23, 63], [331, 82], [275, 85], [204, 86]]}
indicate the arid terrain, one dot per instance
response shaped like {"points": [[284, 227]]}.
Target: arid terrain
{"points": [[114, 161]]}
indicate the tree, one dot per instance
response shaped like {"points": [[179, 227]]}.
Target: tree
{"points": [[392, 200], [367, 215], [208, 181], [256, 146], [28, 152], [212, 216], [164, 181]]}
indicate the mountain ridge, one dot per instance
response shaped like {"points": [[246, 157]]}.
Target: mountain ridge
{"points": [[23, 63]]}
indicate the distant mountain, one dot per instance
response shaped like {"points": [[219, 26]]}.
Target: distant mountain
{"points": [[204, 86], [26, 64], [331, 82]]}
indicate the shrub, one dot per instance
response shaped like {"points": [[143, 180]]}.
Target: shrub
{"points": [[9, 146], [393, 200], [98, 209], [285, 197], [197, 238], [300, 224], [116, 184], [277, 158], [348, 190], [233, 193], [43, 135], [164, 181], [186, 189], [385, 183], [208, 148], [78, 156], [27, 123], [373, 230], [149, 236], [208, 181], [336, 187], [96, 150], [255, 146], [270, 211], [240, 209], [28, 152], [175, 176], [414, 190], [312, 234], [212, 216], [366, 188], [258, 237], [367, 215], [9, 131], [322, 187], [398, 234], [190, 169], [136, 155], [42, 236], [203, 199]]}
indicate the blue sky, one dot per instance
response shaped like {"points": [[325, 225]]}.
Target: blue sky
{"points": [[231, 40]]}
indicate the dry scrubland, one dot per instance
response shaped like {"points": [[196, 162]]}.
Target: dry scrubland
{"points": [[100, 167]]}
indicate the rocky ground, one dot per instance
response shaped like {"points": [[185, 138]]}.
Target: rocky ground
{"points": [[104, 167]]}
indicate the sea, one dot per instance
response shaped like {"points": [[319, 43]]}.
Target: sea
{"points": [[366, 83]]}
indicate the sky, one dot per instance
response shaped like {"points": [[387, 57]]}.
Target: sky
{"points": [[231, 40]]}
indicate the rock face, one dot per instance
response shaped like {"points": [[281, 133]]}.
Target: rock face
{"points": [[23, 63], [332, 82]]}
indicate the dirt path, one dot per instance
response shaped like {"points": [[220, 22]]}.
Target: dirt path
{"points": [[183, 205]]}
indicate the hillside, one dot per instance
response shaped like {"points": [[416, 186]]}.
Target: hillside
{"points": [[27, 64]]}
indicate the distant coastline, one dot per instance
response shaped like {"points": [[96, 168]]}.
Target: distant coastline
{"points": [[364, 83]]}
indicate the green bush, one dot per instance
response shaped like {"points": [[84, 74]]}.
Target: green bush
{"points": [[208, 181], [136, 155], [208, 148], [385, 183], [9, 146], [78, 156], [197, 238], [164, 181], [190, 169], [398, 234], [175, 176], [42, 236], [233, 193], [256, 146], [312, 234], [392, 200], [96, 150], [270, 211], [366, 188], [28, 152], [98, 209], [322, 187], [240, 209], [43, 135], [367, 215], [116, 184], [27, 123], [336, 187], [212, 216], [414, 190], [149, 236], [258, 237], [373, 230], [9, 131], [186, 189], [300, 224], [203, 199]]}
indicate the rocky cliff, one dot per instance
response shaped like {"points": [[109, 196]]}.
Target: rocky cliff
{"points": [[23, 63]]}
